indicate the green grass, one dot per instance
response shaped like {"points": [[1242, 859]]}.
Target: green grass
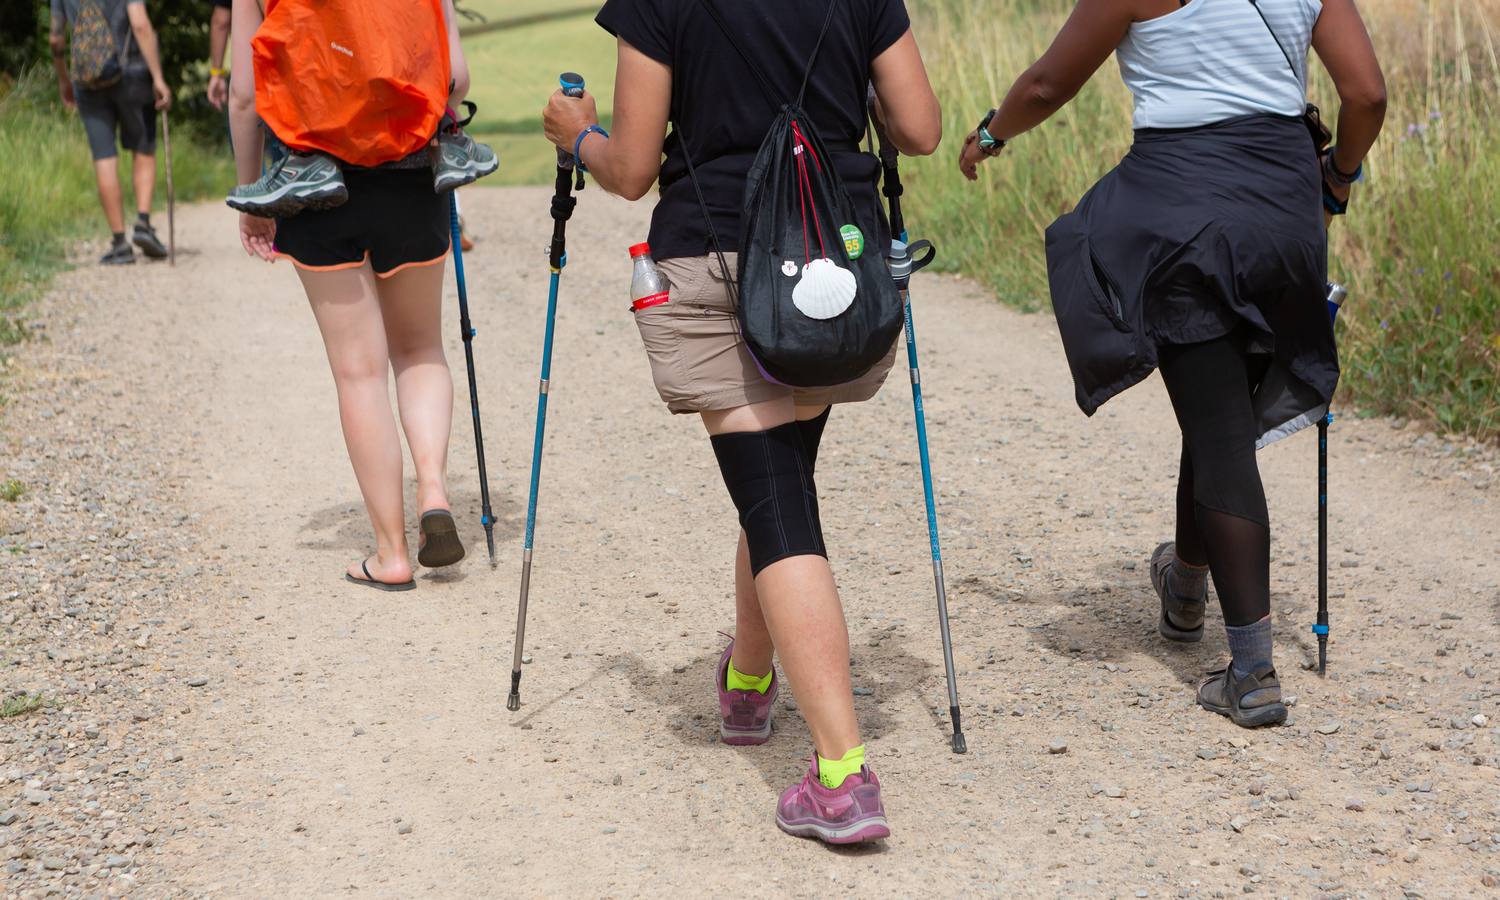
{"points": [[47, 194], [12, 490], [20, 705], [514, 70], [1421, 333]]}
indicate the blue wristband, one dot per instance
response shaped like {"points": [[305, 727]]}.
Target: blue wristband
{"points": [[578, 144]]}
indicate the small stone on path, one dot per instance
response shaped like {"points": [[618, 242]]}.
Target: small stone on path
{"points": [[1329, 727], [404, 828], [1057, 746], [199, 681]]}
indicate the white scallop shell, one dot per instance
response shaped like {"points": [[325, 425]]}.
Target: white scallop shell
{"points": [[825, 291]]}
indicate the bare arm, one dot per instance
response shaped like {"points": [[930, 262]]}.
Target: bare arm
{"points": [[456, 59], [145, 38], [909, 109], [1344, 47], [629, 162], [244, 124], [59, 44], [218, 41], [218, 37], [1086, 40]]}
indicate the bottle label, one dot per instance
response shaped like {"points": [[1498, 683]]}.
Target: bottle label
{"points": [[649, 301]]}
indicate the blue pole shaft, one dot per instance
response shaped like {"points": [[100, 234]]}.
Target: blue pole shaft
{"points": [[959, 744], [543, 389], [466, 327]]}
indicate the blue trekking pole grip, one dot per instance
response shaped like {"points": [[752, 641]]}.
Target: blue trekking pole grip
{"points": [[563, 204], [572, 85]]}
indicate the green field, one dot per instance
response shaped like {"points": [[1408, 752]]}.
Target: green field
{"points": [[514, 70]]}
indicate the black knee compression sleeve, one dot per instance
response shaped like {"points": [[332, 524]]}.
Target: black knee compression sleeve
{"points": [[812, 435], [771, 482]]}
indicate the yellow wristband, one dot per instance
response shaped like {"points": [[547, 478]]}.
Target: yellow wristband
{"points": [[218, 73]]}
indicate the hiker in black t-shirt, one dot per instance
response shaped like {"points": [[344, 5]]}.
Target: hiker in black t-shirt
{"points": [[677, 63]]}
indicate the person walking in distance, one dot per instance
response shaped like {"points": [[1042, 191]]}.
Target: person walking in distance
{"points": [[707, 66], [1204, 254], [113, 78]]}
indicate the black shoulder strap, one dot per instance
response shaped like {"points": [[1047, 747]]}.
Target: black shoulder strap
{"points": [[755, 67], [1279, 46]]}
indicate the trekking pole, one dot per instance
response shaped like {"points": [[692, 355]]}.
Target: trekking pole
{"points": [[1336, 296], [563, 203], [166, 140], [903, 264], [466, 328]]}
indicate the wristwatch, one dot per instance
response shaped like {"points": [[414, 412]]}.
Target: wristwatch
{"points": [[989, 145]]}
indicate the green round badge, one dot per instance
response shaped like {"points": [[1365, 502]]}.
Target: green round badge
{"points": [[854, 241]]}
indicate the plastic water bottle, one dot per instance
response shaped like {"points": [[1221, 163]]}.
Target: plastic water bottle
{"points": [[648, 286]]}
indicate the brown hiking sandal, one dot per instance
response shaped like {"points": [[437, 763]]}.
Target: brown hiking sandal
{"points": [[1181, 617], [1249, 702]]}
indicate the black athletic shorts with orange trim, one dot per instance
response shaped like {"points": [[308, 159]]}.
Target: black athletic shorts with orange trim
{"points": [[392, 218]]}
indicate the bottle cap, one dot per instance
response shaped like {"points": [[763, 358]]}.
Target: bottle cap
{"points": [[641, 249]]}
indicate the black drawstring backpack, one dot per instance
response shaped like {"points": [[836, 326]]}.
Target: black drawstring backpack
{"points": [[816, 305]]}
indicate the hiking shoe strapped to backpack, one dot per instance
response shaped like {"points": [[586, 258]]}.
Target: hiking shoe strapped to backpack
{"points": [[296, 182], [458, 159]]}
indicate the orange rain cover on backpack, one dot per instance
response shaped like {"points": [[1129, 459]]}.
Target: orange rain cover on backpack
{"points": [[364, 82]]}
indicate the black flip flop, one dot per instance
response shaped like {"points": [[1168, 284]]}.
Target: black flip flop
{"points": [[440, 543], [370, 581]]}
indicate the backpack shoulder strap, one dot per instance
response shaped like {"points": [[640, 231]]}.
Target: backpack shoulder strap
{"points": [[756, 69], [1279, 45]]}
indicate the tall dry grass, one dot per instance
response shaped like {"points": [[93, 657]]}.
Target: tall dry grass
{"points": [[1421, 335]]}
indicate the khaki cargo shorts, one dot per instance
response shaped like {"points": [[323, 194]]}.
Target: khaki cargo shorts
{"points": [[698, 359]]}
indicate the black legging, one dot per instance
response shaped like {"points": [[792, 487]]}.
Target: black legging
{"points": [[1222, 520]]}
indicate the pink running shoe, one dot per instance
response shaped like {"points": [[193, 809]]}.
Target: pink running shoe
{"points": [[849, 814], [745, 716]]}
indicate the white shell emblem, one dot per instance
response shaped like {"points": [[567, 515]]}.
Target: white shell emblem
{"points": [[825, 291], [789, 269]]}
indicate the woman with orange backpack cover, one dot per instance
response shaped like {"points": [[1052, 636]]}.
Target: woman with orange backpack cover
{"points": [[373, 266]]}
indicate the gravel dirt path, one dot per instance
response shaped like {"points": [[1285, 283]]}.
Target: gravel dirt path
{"points": [[226, 717]]}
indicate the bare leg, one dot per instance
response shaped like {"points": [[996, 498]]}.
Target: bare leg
{"points": [[411, 302], [347, 306], [143, 176], [753, 648], [802, 615], [107, 176]]}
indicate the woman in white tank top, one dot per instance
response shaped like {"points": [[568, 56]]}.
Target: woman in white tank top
{"points": [[1204, 254]]}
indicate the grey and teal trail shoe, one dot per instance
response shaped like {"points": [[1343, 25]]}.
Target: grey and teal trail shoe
{"points": [[459, 159], [296, 182]]}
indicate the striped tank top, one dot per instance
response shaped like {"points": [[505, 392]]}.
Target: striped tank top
{"points": [[1213, 60]]}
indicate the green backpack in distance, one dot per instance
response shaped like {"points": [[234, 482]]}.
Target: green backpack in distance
{"points": [[95, 62]]}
